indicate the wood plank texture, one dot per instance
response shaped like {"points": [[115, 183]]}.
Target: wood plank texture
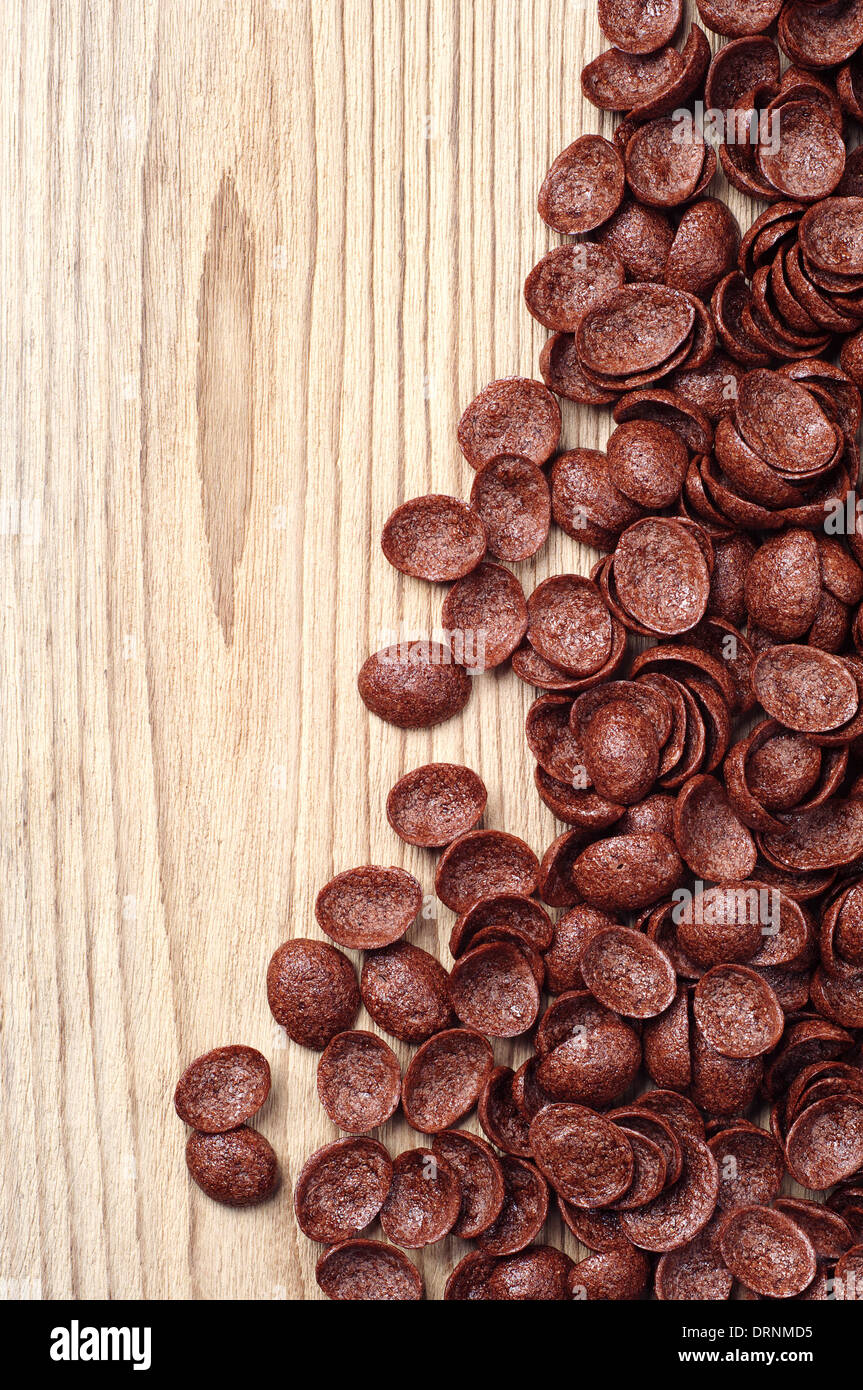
{"points": [[256, 256]]}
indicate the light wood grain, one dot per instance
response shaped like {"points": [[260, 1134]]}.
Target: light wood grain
{"points": [[256, 257]]}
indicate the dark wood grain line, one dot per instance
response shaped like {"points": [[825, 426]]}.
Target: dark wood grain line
{"points": [[225, 392]]}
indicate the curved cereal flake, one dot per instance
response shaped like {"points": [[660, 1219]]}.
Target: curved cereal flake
{"points": [[341, 1189], [639, 26], [599, 1230], [537, 1274], [550, 738], [618, 81], [635, 1119], [805, 689], [695, 60], [586, 1157], [585, 503], [737, 69], [368, 1271], [502, 910], [829, 1233], [512, 499], [852, 180], [722, 1087], [732, 20], [839, 998], [661, 575], [649, 1178], [359, 1081], [851, 357], [561, 371], [583, 809], [783, 768], [406, 991], [628, 973], [445, 1079], [312, 991], [434, 537], [849, 89], [830, 236], [583, 187], [575, 1015], [848, 1201], [747, 471], [414, 685], [493, 990], [424, 1200], [563, 957], [223, 1088], [594, 1063], [482, 863], [569, 281], [534, 670], [595, 1072], [809, 1041], [653, 813], [704, 249], [487, 612], [783, 423], [694, 1272], [480, 1178], [237, 1168], [808, 160], [647, 462], [368, 907], [526, 1090], [771, 228], [682, 1211], [613, 1276], [636, 330], [767, 1252], [523, 1210], [569, 624], [434, 804], [500, 1117], [658, 406], [707, 388], [468, 1282], [666, 1043], [820, 36], [840, 573], [723, 925], [737, 1012], [641, 238], [514, 415], [651, 701], [728, 301], [782, 587], [554, 884], [849, 926], [708, 834], [661, 169], [627, 872], [514, 937], [676, 1110], [621, 750], [773, 769]]}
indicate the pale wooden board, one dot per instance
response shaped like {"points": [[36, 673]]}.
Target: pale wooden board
{"points": [[256, 257]]}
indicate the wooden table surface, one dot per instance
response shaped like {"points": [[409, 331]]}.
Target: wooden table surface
{"points": [[256, 257]]}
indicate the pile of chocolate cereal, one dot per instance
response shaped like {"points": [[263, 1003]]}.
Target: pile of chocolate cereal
{"points": [[706, 960]]}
